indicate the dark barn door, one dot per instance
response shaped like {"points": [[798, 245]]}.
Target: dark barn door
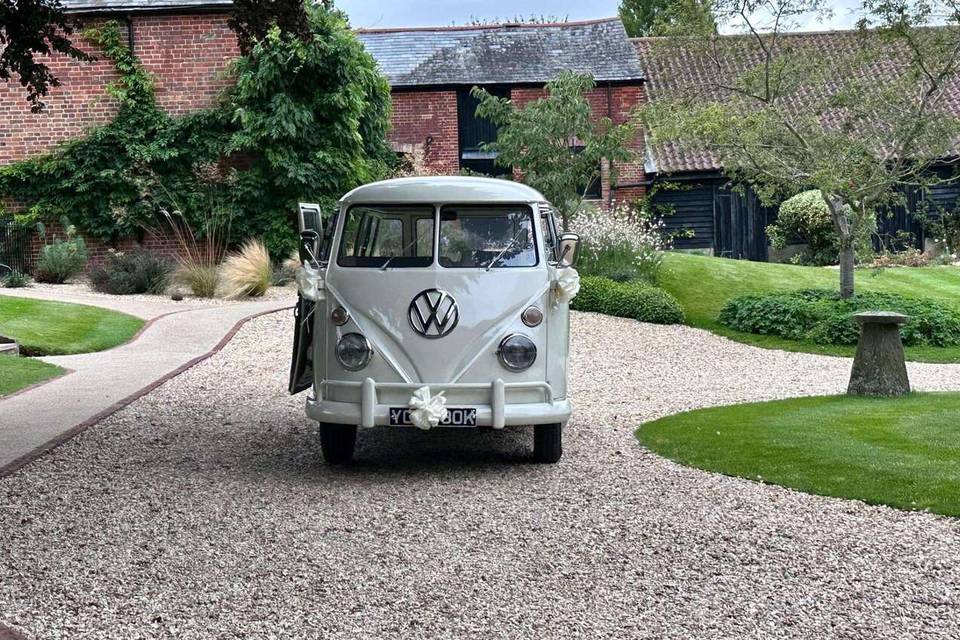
{"points": [[740, 224], [474, 131]]}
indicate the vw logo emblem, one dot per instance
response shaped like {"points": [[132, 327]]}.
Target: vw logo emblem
{"points": [[433, 313]]}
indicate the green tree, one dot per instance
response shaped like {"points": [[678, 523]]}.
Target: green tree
{"points": [[31, 28], [252, 20], [309, 117], [784, 115], [555, 141], [642, 18]]}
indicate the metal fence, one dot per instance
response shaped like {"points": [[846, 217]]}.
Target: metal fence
{"points": [[15, 241]]}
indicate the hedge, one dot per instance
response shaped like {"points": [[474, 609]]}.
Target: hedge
{"points": [[638, 300], [822, 317]]}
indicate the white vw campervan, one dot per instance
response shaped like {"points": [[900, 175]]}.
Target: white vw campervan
{"points": [[432, 303]]}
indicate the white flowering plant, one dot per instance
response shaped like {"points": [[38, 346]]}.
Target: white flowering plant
{"points": [[625, 242]]}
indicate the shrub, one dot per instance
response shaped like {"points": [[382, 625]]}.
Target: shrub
{"points": [[637, 300], [247, 272], [621, 244], [130, 273], [202, 279], [822, 317], [805, 219], [200, 251], [61, 260], [15, 280], [909, 257]]}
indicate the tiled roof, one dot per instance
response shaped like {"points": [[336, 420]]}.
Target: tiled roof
{"points": [[91, 6], [677, 68], [502, 54]]}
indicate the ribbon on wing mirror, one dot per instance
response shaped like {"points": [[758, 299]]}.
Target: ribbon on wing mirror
{"points": [[566, 285]]}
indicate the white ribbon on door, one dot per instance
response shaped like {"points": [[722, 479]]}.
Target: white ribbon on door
{"points": [[566, 285], [310, 283]]}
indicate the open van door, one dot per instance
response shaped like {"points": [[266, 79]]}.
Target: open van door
{"points": [[311, 226]]}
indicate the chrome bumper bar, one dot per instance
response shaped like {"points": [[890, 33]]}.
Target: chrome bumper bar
{"points": [[497, 414]]}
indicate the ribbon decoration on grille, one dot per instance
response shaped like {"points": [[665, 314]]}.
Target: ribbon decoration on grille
{"points": [[427, 411]]}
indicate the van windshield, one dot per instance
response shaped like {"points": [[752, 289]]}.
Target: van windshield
{"points": [[487, 237], [375, 234]]}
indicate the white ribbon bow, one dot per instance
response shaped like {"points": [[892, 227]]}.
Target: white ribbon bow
{"points": [[310, 282], [427, 411], [566, 286]]}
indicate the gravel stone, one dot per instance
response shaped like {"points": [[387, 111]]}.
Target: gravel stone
{"points": [[204, 510]]}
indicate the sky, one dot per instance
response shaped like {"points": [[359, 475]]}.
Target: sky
{"points": [[424, 13]]}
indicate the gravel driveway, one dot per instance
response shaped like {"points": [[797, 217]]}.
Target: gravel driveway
{"points": [[203, 510]]}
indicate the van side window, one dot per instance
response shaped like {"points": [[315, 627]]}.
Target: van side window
{"points": [[548, 225]]}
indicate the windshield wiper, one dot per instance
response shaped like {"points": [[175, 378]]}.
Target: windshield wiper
{"points": [[505, 249], [402, 251]]}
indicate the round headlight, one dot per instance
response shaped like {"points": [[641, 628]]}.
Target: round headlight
{"points": [[339, 316], [354, 351], [517, 352], [532, 316]]}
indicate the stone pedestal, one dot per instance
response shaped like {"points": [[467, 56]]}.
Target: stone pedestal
{"points": [[8, 346], [879, 368]]}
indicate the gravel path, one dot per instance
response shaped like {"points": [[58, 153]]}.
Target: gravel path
{"points": [[203, 510]]}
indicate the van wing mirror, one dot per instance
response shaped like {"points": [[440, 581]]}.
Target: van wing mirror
{"points": [[569, 249], [309, 249], [310, 218]]}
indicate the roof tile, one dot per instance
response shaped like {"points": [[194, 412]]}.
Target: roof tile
{"points": [[503, 54]]}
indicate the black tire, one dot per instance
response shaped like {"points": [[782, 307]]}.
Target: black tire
{"points": [[547, 443], [337, 442]]}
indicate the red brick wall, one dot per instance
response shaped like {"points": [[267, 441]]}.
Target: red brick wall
{"points": [[427, 121], [188, 56], [163, 246]]}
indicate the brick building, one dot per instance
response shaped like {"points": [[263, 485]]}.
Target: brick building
{"points": [[187, 46], [432, 70]]}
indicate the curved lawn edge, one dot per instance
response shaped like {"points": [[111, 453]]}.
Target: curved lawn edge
{"points": [[48, 328], [18, 375], [900, 452], [703, 284]]}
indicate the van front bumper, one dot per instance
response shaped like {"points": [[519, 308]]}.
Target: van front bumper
{"points": [[497, 413]]}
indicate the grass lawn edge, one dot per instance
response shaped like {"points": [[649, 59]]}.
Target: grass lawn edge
{"points": [[902, 453]]}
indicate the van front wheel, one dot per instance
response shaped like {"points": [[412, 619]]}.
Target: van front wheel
{"points": [[547, 442], [337, 442]]}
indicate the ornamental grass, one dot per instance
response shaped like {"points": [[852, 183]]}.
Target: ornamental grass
{"points": [[247, 272]]}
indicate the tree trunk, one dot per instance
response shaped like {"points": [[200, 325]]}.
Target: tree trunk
{"points": [[844, 226], [847, 268]]}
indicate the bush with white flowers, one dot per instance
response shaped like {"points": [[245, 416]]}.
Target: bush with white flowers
{"points": [[622, 243]]}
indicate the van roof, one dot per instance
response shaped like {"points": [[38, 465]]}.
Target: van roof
{"points": [[439, 189]]}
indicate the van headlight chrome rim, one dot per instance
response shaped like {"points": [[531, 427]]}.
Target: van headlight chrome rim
{"points": [[517, 352], [354, 351]]}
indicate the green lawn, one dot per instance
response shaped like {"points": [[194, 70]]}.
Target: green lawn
{"points": [[55, 328], [902, 452], [58, 328], [17, 373], [703, 285]]}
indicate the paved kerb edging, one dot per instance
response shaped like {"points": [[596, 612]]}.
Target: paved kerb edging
{"points": [[50, 445]]}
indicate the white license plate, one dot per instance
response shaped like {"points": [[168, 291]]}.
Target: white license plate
{"points": [[456, 417]]}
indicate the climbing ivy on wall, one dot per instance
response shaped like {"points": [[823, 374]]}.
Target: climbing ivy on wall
{"points": [[304, 120]]}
